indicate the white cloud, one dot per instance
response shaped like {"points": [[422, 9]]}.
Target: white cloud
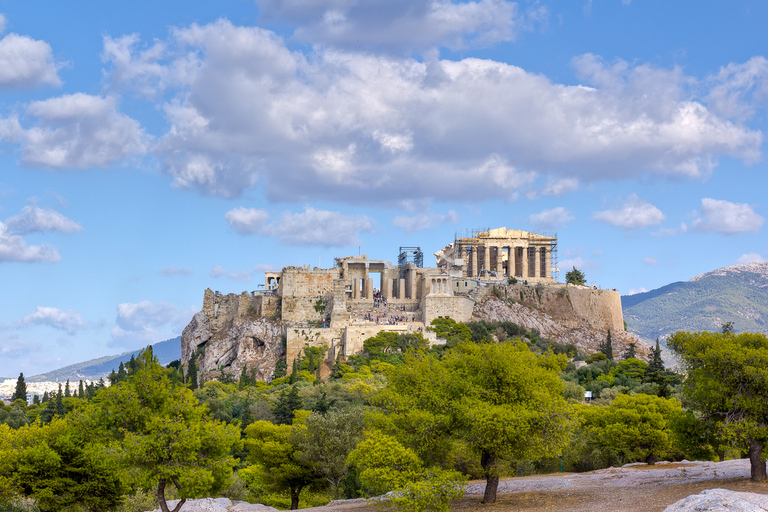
{"points": [[551, 219], [360, 127], [751, 257], [246, 221], [650, 260], [176, 271], [266, 267], [69, 321], [12, 347], [2, 23], [14, 248], [424, 221], [560, 186], [34, 219], [219, 271], [76, 131], [148, 322], [633, 214], [25, 62], [318, 227], [727, 218], [634, 291], [738, 88], [403, 25]]}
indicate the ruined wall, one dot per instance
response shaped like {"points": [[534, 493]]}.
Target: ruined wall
{"points": [[571, 306], [456, 307], [298, 338], [302, 282]]}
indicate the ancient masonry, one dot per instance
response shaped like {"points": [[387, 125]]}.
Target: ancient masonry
{"points": [[340, 307]]}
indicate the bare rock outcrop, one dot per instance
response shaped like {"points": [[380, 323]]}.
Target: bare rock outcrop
{"points": [[721, 500], [218, 505], [225, 347], [495, 309]]}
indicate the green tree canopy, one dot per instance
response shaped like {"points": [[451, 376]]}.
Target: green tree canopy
{"points": [[164, 435], [21, 389], [501, 399], [727, 378], [575, 276]]}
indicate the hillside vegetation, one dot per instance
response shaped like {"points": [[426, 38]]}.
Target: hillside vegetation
{"points": [[737, 294]]}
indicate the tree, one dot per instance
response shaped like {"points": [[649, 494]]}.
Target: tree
{"points": [[165, 436], [286, 406], [67, 391], [501, 399], [607, 347], [281, 468], [727, 379], [327, 439], [280, 369], [632, 428], [727, 327], [21, 389], [575, 276], [59, 466], [656, 364], [631, 352], [192, 375]]}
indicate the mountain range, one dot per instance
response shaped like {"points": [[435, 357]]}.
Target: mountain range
{"points": [[737, 294], [165, 351]]}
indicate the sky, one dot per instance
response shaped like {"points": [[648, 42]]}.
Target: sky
{"points": [[151, 150]]}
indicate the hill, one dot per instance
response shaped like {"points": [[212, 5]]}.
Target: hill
{"points": [[165, 351], [737, 294]]}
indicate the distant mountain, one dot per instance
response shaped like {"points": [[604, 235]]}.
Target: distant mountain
{"points": [[737, 294], [165, 351]]}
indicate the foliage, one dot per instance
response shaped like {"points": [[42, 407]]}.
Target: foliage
{"points": [[386, 342], [575, 276], [727, 378], [326, 441], [433, 492], [286, 406], [163, 435], [278, 462], [607, 347], [501, 399], [21, 390], [632, 428], [280, 369]]}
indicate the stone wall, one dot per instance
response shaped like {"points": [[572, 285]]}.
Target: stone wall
{"points": [[297, 338], [570, 305], [456, 307], [303, 282]]}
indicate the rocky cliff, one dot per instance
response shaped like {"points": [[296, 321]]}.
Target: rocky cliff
{"points": [[229, 334]]}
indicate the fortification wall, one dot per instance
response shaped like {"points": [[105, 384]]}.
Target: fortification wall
{"points": [[301, 309], [572, 306], [298, 338], [458, 308], [302, 282]]}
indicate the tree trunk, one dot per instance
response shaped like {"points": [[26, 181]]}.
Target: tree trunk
{"points": [[756, 464], [488, 462], [161, 498], [295, 498], [651, 459]]}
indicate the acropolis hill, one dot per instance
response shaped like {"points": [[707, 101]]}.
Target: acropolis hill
{"points": [[340, 307]]}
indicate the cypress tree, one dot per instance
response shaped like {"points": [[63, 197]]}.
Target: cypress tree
{"points": [[132, 366], [112, 377], [280, 369], [67, 392], [58, 406], [80, 390], [101, 384], [656, 364], [122, 375], [607, 347], [36, 399], [631, 351], [192, 375], [21, 389], [45, 397], [286, 405]]}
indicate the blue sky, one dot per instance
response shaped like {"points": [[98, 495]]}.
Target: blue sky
{"points": [[150, 150]]}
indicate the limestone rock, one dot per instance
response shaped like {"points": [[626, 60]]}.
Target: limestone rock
{"points": [[226, 345], [721, 500], [493, 309], [218, 505]]}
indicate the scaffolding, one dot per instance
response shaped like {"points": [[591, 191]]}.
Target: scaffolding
{"points": [[410, 255]]}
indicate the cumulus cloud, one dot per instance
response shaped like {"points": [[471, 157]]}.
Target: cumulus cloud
{"points": [[34, 219], [364, 127], [14, 248], [318, 227], [148, 322], [403, 25], [246, 221], [176, 271], [551, 219], [424, 221], [13, 347], [26, 62], [219, 271], [751, 257], [76, 131], [727, 218], [69, 321], [738, 88], [633, 214]]}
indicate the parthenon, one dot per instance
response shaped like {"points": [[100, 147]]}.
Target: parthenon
{"points": [[499, 253]]}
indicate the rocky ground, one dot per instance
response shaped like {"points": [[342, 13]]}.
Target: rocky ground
{"points": [[633, 488]]}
